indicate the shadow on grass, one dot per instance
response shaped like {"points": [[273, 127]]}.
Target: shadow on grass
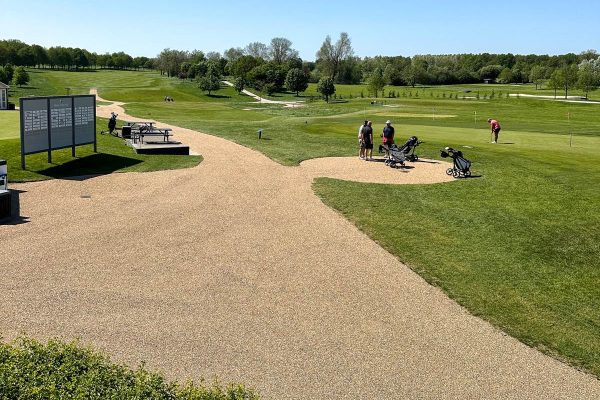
{"points": [[87, 167], [218, 96]]}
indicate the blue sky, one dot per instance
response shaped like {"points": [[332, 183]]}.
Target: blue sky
{"points": [[383, 27]]}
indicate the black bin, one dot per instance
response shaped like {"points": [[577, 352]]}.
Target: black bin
{"points": [[126, 132]]}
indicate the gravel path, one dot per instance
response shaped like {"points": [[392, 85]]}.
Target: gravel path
{"points": [[256, 97], [237, 270]]}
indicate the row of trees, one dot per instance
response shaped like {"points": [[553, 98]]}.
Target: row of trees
{"points": [[276, 67], [15, 52]]}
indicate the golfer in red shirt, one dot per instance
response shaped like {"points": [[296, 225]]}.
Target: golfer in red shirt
{"points": [[495, 129]]}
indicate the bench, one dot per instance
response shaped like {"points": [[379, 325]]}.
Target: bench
{"points": [[138, 134]]}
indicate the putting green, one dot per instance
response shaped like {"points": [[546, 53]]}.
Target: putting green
{"points": [[9, 124]]}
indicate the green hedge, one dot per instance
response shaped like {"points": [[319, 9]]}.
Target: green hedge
{"points": [[57, 370]]}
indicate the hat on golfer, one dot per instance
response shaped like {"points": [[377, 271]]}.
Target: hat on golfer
{"points": [[388, 122]]}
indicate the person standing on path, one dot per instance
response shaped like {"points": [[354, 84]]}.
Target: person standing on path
{"points": [[388, 136], [361, 151], [367, 141], [495, 129]]}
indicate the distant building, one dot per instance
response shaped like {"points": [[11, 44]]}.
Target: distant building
{"points": [[3, 96]]}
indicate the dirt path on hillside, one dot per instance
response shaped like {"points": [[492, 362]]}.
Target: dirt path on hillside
{"points": [[291, 104], [235, 268]]}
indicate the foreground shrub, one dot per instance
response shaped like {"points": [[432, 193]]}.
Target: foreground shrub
{"points": [[30, 369]]}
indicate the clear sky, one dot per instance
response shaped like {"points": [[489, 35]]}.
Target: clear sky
{"points": [[382, 27]]}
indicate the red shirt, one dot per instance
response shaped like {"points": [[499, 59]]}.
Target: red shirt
{"points": [[495, 124]]}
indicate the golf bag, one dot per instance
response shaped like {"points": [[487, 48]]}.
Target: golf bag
{"points": [[409, 147], [461, 166], [112, 123]]}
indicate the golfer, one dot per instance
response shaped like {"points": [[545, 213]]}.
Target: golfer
{"points": [[367, 141], [388, 136], [361, 152], [495, 129]]}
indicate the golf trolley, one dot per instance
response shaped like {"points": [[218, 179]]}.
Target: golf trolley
{"points": [[461, 167], [409, 148]]}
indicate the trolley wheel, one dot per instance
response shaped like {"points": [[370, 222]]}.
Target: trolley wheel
{"points": [[450, 171], [455, 173], [415, 158], [467, 173]]}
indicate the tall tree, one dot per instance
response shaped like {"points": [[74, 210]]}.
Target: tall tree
{"points": [[296, 80], [233, 53], [588, 77], [569, 73], [331, 55], [413, 74], [537, 75], [281, 50], [556, 80], [326, 87], [506, 76], [257, 50], [376, 83]]}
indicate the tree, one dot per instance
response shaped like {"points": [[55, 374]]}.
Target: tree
{"points": [[413, 74], [3, 75], [537, 75], [506, 76], [21, 77], [569, 73], [376, 82], [257, 50], [210, 82], [588, 77], [490, 71], [243, 65], [556, 80], [281, 50], [326, 88], [233, 53], [238, 84], [331, 56], [296, 80], [7, 73]]}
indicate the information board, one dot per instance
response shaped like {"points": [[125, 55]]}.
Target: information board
{"points": [[57, 122], [61, 123], [34, 125], [85, 119]]}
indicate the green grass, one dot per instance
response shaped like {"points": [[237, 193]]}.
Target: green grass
{"points": [[517, 246], [9, 125], [57, 370], [113, 156]]}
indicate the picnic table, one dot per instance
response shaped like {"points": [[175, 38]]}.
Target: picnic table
{"points": [[141, 129]]}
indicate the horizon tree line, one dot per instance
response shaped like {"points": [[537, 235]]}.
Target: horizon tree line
{"points": [[266, 67]]}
